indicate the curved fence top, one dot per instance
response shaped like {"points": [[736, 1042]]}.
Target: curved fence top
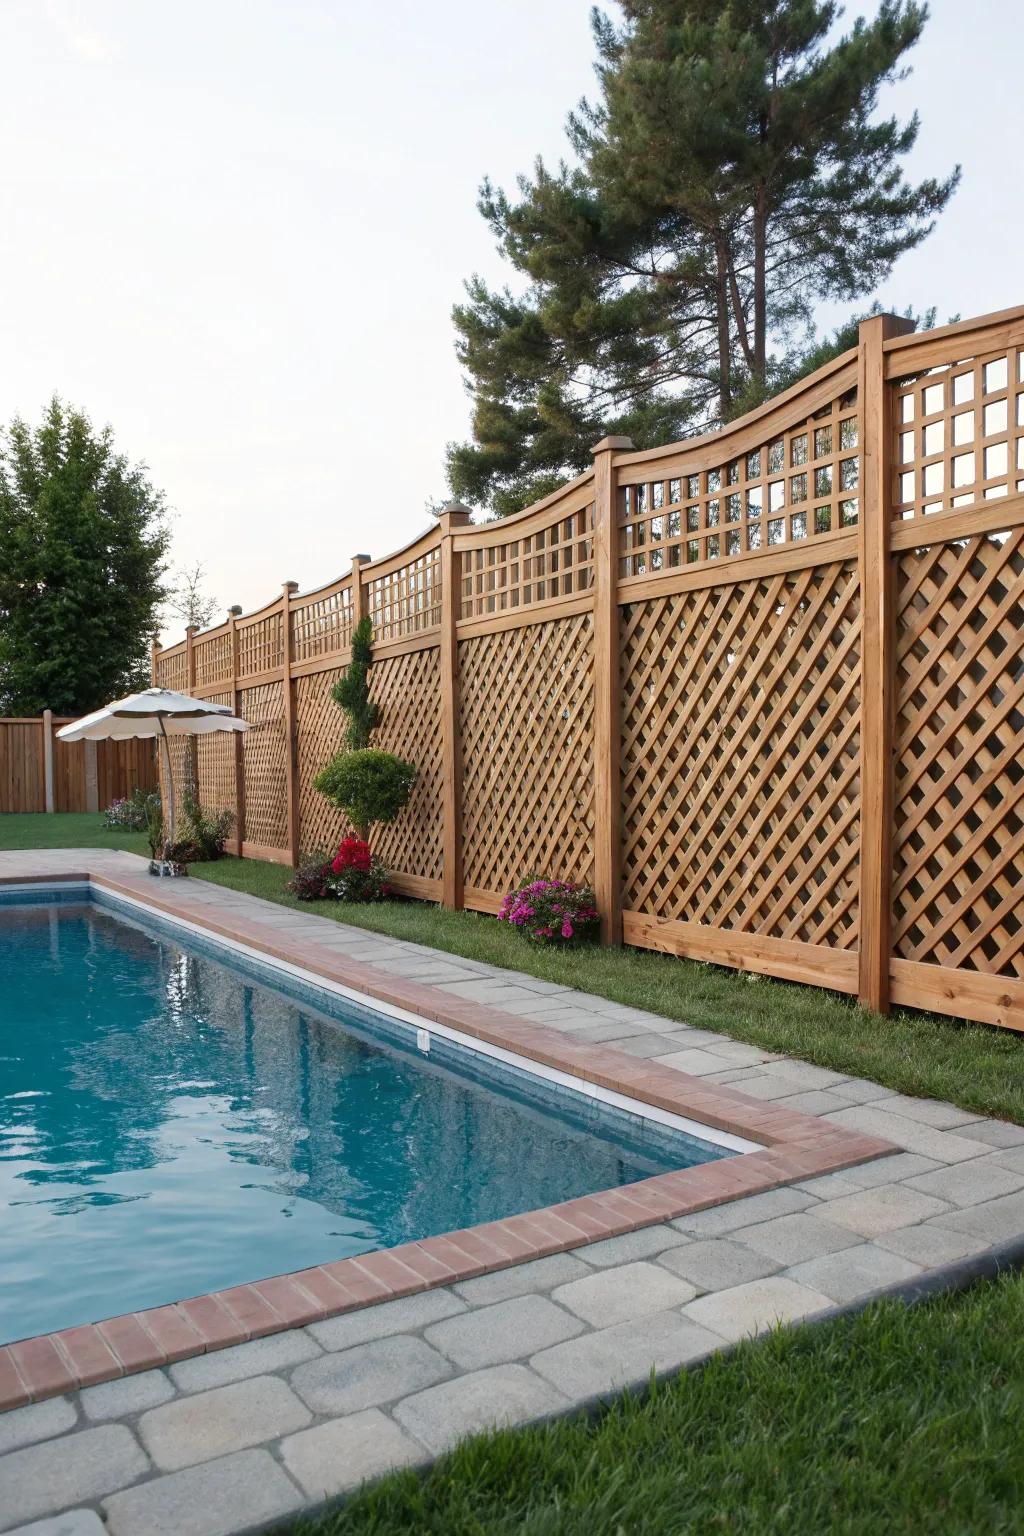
{"points": [[787, 473]]}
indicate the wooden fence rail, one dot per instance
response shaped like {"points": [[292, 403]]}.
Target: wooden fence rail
{"points": [[39, 773], [765, 688]]}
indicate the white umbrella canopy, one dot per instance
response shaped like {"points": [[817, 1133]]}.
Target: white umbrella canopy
{"points": [[155, 712]]}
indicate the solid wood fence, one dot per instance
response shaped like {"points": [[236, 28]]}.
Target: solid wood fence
{"points": [[764, 688], [39, 773]]}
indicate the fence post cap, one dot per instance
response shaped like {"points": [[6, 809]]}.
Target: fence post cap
{"points": [[289, 586], [454, 514], [889, 324], [614, 445], [361, 559], [234, 610]]}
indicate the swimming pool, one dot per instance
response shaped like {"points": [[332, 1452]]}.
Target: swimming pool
{"points": [[175, 1118]]}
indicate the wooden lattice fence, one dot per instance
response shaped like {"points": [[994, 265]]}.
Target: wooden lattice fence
{"points": [[765, 688]]}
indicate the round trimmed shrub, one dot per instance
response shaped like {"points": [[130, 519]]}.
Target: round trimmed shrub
{"points": [[368, 786]]}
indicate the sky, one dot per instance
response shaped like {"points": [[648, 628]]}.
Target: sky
{"points": [[235, 229]]}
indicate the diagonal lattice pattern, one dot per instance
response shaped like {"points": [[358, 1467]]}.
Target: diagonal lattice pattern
{"points": [[319, 725], [215, 764], [408, 690], [266, 789], [958, 893], [740, 768], [527, 729]]}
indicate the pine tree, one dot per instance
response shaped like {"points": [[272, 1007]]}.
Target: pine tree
{"points": [[732, 173]]}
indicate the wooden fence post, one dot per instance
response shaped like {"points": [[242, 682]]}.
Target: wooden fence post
{"points": [[451, 517], [239, 736], [359, 604], [48, 760], [290, 742], [607, 690], [878, 637]]}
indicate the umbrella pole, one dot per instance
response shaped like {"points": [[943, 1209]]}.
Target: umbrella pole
{"points": [[166, 751]]}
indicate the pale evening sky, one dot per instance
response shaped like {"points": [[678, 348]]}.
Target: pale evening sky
{"points": [[235, 229]]}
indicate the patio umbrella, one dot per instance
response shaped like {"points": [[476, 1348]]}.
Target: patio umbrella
{"points": [[155, 712]]}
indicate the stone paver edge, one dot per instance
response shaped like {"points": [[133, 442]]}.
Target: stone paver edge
{"points": [[795, 1146]]}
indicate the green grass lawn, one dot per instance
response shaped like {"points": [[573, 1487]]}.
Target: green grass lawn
{"points": [[897, 1420], [83, 830], [969, 1064]]}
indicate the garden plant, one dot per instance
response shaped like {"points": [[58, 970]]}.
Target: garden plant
{"points": [[368, 785]]}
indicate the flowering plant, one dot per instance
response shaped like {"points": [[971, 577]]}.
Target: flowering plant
{"points": [[310, 880], [551, 911], [353, 853], [132, 813], [357, 874], [354, 873]]}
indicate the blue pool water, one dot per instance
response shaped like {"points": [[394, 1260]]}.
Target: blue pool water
{"points": [[173, 1121]]}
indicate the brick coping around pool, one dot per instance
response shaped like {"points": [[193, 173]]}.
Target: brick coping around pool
{"points": [[793, 1147]]}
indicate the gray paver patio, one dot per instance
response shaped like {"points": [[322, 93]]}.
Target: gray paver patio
{"points": [[392, 1384]]}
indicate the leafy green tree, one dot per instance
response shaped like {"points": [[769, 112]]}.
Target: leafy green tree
{"points": [[84, 542], [733, 172]]}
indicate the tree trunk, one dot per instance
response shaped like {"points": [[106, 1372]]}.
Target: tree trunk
{"points": [[724, 339], [760, 286]]}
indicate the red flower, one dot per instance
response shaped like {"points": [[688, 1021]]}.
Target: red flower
{"points": [[353, 853]]}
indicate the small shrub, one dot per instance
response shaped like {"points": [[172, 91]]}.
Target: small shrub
{"points": [[368, 785], [311, 881], [132, 814], [551, 911], [201, 835], [155, 826]]}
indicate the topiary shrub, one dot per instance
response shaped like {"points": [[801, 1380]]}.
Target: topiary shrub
{"points": [[368, 785], [352, 690]]}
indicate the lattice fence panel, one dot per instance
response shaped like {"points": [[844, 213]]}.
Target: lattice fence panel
{"points": [[527, 715], [408, 690], [215, 764], [182, 770], [320, 726], [959, 843], [798, 485], [172, 671], [266, 793], [740, 756], [959, 434]]}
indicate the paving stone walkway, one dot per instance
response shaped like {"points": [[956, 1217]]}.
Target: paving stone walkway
{"points": [[226, 1441]]}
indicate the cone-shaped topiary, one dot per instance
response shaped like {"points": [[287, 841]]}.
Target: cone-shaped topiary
{"points": [[352, 690]]}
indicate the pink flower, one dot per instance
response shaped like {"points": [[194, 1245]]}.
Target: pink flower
{"points": [[566, 928]]}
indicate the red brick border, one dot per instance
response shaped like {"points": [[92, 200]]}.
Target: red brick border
{"points": [[794, 1147]]}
